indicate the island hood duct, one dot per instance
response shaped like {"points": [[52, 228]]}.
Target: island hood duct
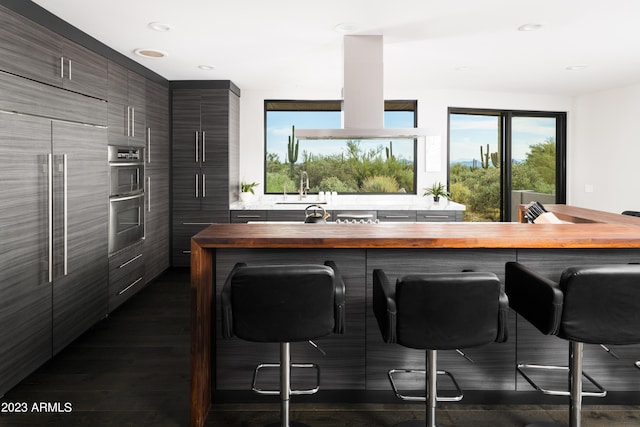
{"points": [[363, 97]]}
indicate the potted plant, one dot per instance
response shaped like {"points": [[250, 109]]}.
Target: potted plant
{"points": [[437, 190], [246, 190]]}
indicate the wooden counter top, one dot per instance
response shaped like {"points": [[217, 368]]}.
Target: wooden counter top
{"points": [[420, 235]]}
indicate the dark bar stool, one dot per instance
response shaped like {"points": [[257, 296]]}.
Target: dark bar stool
{"points": [[439, 311], [283, 304], [595, 305]]}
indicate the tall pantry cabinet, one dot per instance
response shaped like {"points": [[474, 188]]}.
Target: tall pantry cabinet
{"points": [[205, 119]]}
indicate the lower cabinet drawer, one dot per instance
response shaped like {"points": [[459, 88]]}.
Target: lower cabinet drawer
{"points": [[126, 275]]}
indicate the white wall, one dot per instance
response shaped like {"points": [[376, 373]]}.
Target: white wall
{"points": [[606, 150], [432, 113]]}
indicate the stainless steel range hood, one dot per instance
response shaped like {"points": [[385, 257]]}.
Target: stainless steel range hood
{"points": [[363, 97]]}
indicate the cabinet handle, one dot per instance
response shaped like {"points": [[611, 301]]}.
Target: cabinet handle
{"points": [[196, 186], [128, 120], [148, 194], [130, 286], [196, 148], [248, 216], [204, 186], [62, 67], [396, 216], [65, 211], [435, 216], [50, 209], [197, 223], [124, 264], [133, 122], [69, 69], [204, 146], [186, 252], [149, 145]]}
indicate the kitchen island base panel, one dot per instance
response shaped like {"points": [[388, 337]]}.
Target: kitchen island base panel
{"points": [[425, 239]]}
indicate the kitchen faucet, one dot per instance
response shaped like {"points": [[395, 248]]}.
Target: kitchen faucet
{"points": [[304, 185]]}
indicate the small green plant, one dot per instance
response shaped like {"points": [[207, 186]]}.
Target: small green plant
{"points": [[248, 187], [437, 190]]}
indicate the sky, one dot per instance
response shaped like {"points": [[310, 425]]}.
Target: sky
{"points": [[469, 132]]}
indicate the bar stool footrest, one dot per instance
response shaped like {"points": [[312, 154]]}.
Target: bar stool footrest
{"points": [[292, 392], [455, 398], [523, 367]]}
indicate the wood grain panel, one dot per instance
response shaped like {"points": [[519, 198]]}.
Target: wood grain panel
{"points": [[343, 367], [88, 70], [25, 291], [80, 296], [423, 235], [157, 216], [20, 36]]}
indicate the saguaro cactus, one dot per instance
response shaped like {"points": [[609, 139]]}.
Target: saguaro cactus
{"points": [[292, 150]]}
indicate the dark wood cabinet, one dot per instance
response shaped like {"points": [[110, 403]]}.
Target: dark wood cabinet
{"points": [[80, 227], [25, 288], [157, 226], [205, 162], [127, 106], [32, 51]]}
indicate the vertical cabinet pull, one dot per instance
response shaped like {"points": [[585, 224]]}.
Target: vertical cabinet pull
{"points": [[196, 147], [128, 120], [204, 146], [65, 220], [62, 60], [133, 122], [196, 186], [148, 194], [149, 145], [204, 186], [50, 209]]}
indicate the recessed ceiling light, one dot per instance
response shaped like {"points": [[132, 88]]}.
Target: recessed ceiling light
{"points": [[575, 67], [529, 27], [150, 53], [206, 67], [159, 26], [345, 28]]}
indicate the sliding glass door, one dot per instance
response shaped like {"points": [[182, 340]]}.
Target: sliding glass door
{"points": [[500, 159]]}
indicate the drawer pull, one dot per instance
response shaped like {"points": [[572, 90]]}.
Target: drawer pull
{"points": [[249, 216], [130, 286], [130, 261], [396, 216], [435, 216], [186, 252]]}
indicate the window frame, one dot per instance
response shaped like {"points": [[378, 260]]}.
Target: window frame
{"points": [[336, 105]]}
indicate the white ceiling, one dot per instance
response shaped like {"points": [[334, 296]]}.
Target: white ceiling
{"points": [[434, 44]]}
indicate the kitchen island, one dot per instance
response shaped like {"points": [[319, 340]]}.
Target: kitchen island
{"points": [[356, 363]]}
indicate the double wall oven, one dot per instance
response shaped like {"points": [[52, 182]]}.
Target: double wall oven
{"points": [[126, 196]]}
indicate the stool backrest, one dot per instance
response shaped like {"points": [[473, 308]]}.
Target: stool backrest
{"points": [[601, 304], [282, 303], [443, 311]]}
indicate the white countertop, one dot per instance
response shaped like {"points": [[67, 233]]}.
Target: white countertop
{"points": [[348, 202]]}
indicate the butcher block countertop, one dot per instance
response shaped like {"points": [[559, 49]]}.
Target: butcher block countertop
{"points": [[419, 235]]}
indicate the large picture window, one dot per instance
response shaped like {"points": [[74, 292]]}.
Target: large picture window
{"points": [[345, 166]]}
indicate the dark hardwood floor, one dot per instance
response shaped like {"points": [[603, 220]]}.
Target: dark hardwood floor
{"points": [[132, 369]]}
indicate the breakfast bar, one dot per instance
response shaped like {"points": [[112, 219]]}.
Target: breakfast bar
{"points": [[356, 363]]}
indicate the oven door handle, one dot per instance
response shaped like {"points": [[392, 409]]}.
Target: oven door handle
{"points": [[122, 199]]}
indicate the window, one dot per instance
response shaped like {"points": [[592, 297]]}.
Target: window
{"points": [[500, 159], [345, 166]]}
